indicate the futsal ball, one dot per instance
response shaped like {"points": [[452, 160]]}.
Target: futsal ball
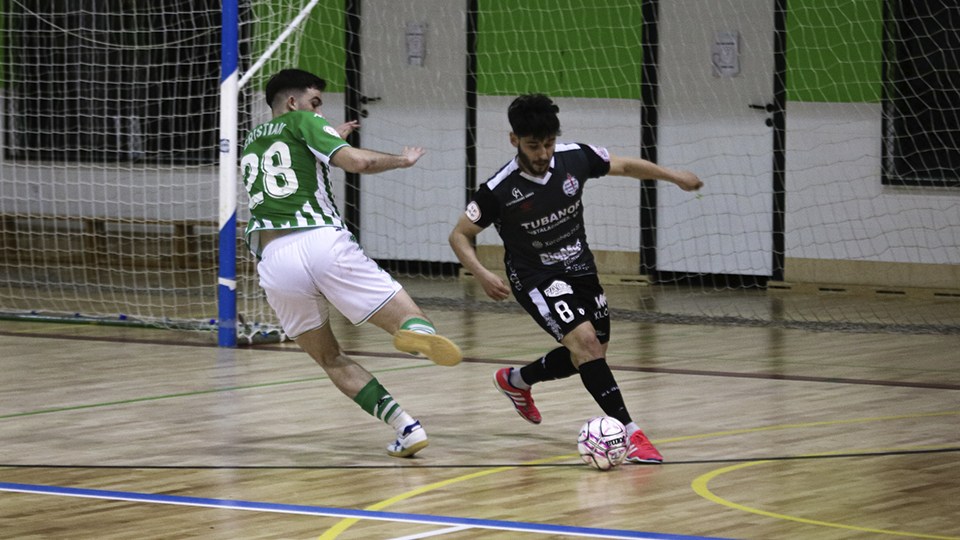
{"points": [[602, 442]]}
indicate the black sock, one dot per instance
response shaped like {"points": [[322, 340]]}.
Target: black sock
{"points": [[599, 381], [556, 364]]}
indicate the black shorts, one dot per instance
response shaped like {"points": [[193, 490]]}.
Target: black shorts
{"points": [[562, 304]]}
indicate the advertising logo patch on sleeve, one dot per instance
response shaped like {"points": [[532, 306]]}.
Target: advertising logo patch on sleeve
{"points": [[473, 211], [331, 131], [600, 151]]}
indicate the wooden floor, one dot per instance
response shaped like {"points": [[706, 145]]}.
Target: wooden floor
{"points": [[117, 433]]}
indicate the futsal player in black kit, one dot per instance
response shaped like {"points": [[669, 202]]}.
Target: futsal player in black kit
{"points": [[535, 203]]}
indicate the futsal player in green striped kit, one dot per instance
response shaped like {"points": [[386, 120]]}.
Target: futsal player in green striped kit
{"points": [[309, 260]]}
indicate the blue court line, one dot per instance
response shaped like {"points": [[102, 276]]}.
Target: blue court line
{"points": [[343, 513]]}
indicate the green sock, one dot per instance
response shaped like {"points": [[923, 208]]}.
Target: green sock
{"points": [[418, 325], [375, 400]]}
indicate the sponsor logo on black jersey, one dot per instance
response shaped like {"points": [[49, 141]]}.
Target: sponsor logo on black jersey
{"points": [[571, 185], [558, 288], [561, 238], [602, 310], [519, 196], [546, 223], [566, 253]]}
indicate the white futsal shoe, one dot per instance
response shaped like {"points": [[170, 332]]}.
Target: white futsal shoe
{"points": [[412, 440]]}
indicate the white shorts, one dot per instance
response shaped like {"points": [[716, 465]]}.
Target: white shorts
{"points": [[302, 271]]}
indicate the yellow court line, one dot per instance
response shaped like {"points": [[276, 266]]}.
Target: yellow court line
{"points": [[335, 531], [699, 486]]}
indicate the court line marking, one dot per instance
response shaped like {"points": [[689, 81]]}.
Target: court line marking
{"points": [[437, 532], [421, 466], [344, 513], [673, 371], [352, 516], [700, 487], [197, 393], [343, 525], [335, 531], [324, 537]]}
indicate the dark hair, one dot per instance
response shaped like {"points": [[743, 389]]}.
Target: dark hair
{"points": [[292, 79], [534, 115]]}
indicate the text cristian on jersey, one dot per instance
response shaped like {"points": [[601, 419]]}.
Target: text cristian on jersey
{"points": [[263, 129]]}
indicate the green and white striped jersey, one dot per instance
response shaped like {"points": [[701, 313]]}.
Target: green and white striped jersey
{"points": [[285, 168]]}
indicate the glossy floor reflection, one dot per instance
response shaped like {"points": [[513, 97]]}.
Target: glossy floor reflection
{"points": [[767, 432]]}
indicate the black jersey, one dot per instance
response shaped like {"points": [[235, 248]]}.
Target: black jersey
{"points": [[540, 220]]}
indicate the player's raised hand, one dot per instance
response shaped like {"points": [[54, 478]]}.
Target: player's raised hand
{"points": [[688, 181], [344, 130], [412, 154]]}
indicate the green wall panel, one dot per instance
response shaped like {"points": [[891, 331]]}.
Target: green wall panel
{"points": [[321, 41], [589, 49], [592, 48], [322, 44], [834, 50]]}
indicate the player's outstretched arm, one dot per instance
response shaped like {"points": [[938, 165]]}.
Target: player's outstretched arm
{"points": [[363, 161], [460, 238], [642, 169]]}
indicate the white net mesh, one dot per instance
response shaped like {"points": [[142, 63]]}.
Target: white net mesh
{"points": [[108, 179], [108, 195], [826, 135], [109, 129]]}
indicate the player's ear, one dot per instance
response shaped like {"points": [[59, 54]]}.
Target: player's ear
{"points": [[514, 140], [291, 103]]}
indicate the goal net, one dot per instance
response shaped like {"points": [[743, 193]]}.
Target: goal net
{"points": [[108, 174], [826, 136]]}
